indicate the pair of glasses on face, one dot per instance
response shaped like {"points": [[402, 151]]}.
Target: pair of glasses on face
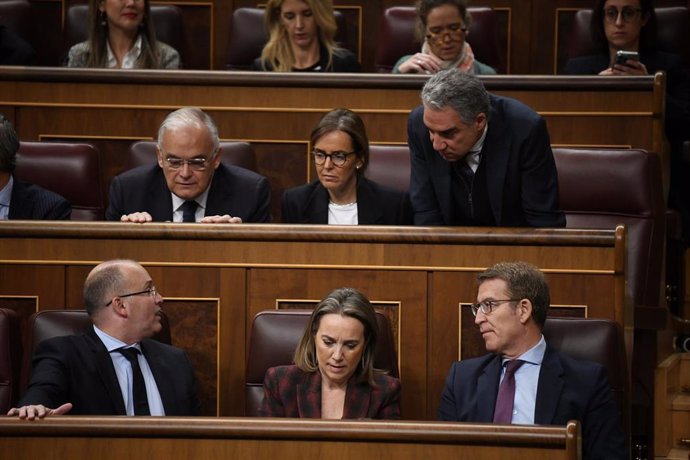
{"points": [[150, 291], [195, 164], [454, 31], [488, 306], [337, 158], [627, 13]]}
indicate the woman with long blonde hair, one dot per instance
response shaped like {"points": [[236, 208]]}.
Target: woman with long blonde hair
{"points": [[302, 38]]}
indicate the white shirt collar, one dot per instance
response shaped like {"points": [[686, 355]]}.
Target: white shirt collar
{"points": [[474, 156], [5, 197], [130, 59], [110, 342]]}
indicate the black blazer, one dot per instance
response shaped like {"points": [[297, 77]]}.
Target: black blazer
{"points": [[567, 390], [78, 369], [234, 190], [376, 204], [29, 201], [520, 170], [343, 61]]}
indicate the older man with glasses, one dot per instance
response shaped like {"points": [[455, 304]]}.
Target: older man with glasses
{"points": [[522, 380], [114, 368], [189, 183]]}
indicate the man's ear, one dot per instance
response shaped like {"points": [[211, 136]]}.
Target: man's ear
{"points": [[159, 156], [118, 307], [480, 121], [524, 310]]}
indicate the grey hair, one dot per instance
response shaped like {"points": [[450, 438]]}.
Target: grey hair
{"points": [[103, 282], [462, 92], [9, 144], [189, 117]]}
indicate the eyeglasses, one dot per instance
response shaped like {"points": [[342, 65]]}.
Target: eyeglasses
{"points": [[628, 14], [337, 158], [150, 291], [454, 31], [488, 306], [196, 164]]}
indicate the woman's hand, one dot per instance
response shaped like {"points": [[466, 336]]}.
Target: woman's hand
{"points": [[421, 63], [630, 68]]}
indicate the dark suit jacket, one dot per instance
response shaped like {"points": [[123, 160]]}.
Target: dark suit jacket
{"points": [[234, 190], [78, 369], [520, 170], [342, 61], [29, 201], [290, 392], [376, 205], [567, 390]]}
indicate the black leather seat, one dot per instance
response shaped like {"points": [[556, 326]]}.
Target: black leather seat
{"points": [[70, 170]]}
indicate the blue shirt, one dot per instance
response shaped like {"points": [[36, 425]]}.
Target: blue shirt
{"points": [[526, 381], [5, 197], [123, 370]]}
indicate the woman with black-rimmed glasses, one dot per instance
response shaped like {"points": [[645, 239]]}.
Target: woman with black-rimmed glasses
{"points": [[341, 194], [442, 27]]}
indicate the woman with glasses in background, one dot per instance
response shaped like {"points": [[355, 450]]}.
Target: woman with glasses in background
{"points": [[121, 36], [442, 27], [302, 39], [341, 194], [623, 25], [631, 25]]}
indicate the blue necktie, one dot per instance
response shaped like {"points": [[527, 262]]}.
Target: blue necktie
{"points": [[189, 211]]}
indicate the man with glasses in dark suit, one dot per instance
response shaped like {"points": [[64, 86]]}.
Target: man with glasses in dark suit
{"points": [[523, 380], [189, 183], [114, 368]]}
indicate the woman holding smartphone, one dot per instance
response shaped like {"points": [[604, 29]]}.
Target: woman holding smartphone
{"points": [[631, 25], [628, 26]]}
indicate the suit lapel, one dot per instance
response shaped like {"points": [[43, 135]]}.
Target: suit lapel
{"points": [[316, 209], [160, 198], [20, 206], [487, 390], [549, 388], [106, 371], [496, 161], [309, 396], [368, 206], [357, 400], [218, 195], [160, 370]]}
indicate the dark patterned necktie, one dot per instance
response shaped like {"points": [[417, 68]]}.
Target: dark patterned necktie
{"points": [[189, 211], [141, 400], [506, 393]]}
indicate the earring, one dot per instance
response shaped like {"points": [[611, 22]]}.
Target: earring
{"points": [[104, 17]]}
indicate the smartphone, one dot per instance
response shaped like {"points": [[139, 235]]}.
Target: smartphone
{"points": [[623, 56]]}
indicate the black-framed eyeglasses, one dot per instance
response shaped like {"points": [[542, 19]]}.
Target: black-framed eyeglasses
{"points": [[150, 291], [488, 306], [196, 163], [627, 13], [337, 158], [454, 31]]}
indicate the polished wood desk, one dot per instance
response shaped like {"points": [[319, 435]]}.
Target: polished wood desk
{"points": [[215, 278], [276, 112], [146, 438]]}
